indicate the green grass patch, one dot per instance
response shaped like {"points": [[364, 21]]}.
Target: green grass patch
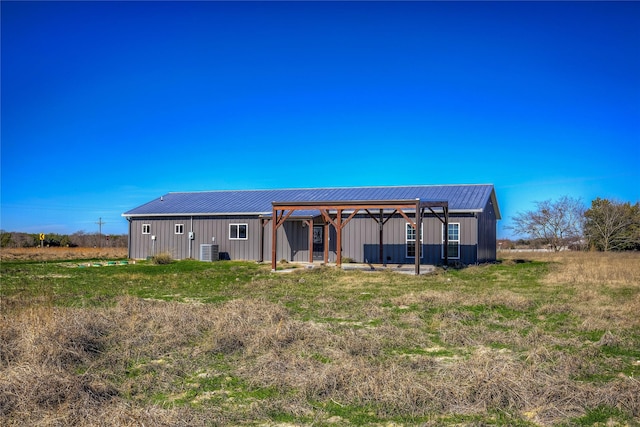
{"points": [[602, 415]]}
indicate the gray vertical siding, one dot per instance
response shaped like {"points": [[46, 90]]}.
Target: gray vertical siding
{"points": [[360, 238], [143, 246], [204, 228], [487, 234], [360, 230]]}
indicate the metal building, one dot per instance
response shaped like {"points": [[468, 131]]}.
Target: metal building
{"points": [[364, 224]]}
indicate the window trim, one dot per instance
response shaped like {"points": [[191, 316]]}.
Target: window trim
{"points": [[178, 229], [237, 228], [407, 240], [457, 241], [146, 228]]}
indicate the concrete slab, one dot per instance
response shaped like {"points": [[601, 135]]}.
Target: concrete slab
{"points": [[394, 268]]}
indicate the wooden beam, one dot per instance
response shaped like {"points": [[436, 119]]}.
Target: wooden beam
{"points": [[345, 205], [327, 217], [435, 204], [284, 217], [371, 215], [395, 211], [349, 218], [381, 219], [358, 204], [436, 214], [409, 220]]}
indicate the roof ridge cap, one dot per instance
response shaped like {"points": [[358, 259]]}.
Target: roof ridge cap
{"points": [[326, 188]]}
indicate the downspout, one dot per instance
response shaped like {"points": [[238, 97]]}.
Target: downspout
{"points": [[263, 222]]}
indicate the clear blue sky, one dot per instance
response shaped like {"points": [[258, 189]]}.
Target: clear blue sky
{"points": [[107, 105]]}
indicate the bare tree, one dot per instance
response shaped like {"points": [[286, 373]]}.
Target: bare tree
{"points": [[557, 223]]}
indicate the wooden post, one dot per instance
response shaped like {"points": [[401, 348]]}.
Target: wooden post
{"points": [[326, 242], [418, 232], [381, 226], [339, 238], [310, 226], [274, 224], [446, 236]]}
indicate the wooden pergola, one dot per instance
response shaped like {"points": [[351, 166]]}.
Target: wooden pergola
{"points": [[283, 210]]}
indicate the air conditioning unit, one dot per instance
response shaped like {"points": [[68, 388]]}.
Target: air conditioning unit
{"points": [[209, 253]]}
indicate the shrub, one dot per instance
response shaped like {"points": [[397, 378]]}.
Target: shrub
{"points": [[162, 258]]}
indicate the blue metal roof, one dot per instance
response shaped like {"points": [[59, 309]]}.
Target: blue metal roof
{"points": [[461, 198]]}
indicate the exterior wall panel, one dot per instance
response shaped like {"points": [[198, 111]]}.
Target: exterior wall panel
{"points": [[361, 228], [360, 238], [487, 234], [204, 228]]}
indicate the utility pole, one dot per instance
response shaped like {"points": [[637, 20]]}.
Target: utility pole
{"points": [[100, 222]]}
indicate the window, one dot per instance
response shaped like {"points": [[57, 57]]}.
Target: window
{"points": [[179, 228], [237, 231], [146, 228], [453, 250], [411, 241]]}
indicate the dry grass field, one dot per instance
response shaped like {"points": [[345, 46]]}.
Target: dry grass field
{"points": [[535, 340], [60, 253]]}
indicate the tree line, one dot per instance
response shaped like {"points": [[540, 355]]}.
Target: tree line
{"points": [[607, 225], [11, 239]]}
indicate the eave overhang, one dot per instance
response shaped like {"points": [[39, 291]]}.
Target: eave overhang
{"points": [[264, 214], [147, 215]]}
